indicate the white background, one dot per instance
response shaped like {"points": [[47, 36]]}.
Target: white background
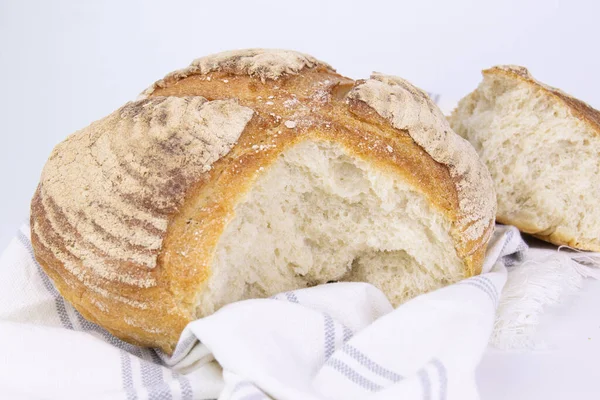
{"points": [[64, 64]]}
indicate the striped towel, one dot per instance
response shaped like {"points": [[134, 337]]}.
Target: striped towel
{"points": [[49, 351], [335, 341]]}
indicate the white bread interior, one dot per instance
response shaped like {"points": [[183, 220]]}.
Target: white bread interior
{"points": [[544, 160], [319, 214]]}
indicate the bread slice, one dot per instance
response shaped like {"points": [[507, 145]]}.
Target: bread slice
{"points": [[251, 173], [542, 148]]}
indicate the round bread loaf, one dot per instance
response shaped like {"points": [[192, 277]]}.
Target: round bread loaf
{"points": [[542, 148], [251, 173]]}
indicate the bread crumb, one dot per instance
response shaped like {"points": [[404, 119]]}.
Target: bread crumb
{"points": [[389, 148], [225, 80], [208, 78], [290, 124], [269, 103], [271, 97]]}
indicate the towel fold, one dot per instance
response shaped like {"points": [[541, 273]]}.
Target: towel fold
{"points": [[334, 341]]}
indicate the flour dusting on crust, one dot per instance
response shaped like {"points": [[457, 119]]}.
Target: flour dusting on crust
{"points": [[261, 63], [410, 109], [107, 191]]}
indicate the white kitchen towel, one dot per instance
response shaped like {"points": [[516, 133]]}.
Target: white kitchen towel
{"points": [[333, 341], [345, 341]]}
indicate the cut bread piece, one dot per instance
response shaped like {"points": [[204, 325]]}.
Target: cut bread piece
{"points": [[542, 148]]}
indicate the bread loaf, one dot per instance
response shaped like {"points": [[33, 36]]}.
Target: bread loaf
{"points": [[250, 173], [542, 148]]}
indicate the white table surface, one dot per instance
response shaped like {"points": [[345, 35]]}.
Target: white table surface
{"points": [[569, 367]]}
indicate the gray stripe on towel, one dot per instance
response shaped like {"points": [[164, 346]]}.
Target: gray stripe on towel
{"points": [[425, 383], [187, 393], [88, 326], [291, 297], [441, 369], [152, 379], [329, 346], [482, 288], [127, 376], [507, 241], [352, 375], [59, 302], [347, 334], [184, 346], [370, 364], [487, 282]]}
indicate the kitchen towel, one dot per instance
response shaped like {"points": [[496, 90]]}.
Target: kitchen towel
{"points": [[334, 341]]}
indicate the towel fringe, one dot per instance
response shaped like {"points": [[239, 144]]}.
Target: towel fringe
{"points": [[533, 286]]}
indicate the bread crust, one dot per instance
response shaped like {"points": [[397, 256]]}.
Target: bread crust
{"points": [[280, 100], [578, 109]]}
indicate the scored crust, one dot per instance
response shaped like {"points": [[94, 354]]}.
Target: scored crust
{"points": [[116, 217]]}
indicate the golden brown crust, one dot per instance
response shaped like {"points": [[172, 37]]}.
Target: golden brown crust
{"points": [[101, 210], [556, 238], [276, 106], [581, 110], [258, 63]]}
